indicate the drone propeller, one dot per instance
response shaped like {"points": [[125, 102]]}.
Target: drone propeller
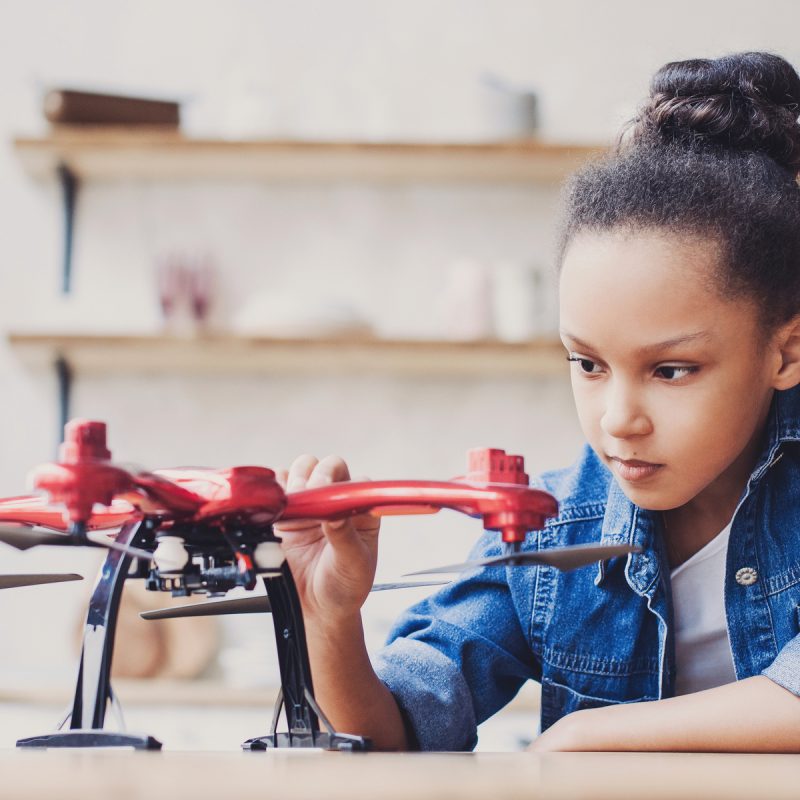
{"points": [[563, 558], [23, 537], [386, 587], [236, 605], [259, 604], [12, 581]]}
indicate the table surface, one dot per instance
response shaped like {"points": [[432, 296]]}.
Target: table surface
{"points": [[297, 775]]}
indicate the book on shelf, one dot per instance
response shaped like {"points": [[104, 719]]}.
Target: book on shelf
{"points": [[72, 107]]}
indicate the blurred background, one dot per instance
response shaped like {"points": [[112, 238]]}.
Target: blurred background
{"points": [[345, 246]]}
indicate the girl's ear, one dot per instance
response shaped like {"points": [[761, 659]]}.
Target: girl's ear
{"points": [[787, 352]]}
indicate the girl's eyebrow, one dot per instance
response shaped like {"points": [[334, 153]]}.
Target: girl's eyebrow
{"points": [[649, 348]]}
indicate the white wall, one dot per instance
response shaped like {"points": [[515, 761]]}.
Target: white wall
{"points": [[347, 69]]}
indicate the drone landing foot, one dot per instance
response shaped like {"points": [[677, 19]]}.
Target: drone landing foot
{"points": [[296, 697], [91, 738], [325, 741]]}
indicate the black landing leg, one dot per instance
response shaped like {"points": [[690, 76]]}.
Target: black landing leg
{"points": [[297, 692], [93, 690]]}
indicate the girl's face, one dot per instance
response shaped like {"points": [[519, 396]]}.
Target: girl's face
{"points": [[671, 381]]}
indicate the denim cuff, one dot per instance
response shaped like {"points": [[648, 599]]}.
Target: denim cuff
{"points": [[431, 692], [785, 669]]}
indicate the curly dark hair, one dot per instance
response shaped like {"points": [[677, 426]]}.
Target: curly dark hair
{"points": [[713, 153]]}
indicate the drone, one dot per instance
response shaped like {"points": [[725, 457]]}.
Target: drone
{"points": [[207, 531]]}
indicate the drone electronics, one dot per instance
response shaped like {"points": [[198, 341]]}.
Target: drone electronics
{"points": [[207, 531]]}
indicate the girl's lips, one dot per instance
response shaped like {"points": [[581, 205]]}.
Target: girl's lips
{"points": [[633, 471]]}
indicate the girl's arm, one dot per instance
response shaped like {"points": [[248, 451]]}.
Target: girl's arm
{"points": [[347, 688], [754, 715]]}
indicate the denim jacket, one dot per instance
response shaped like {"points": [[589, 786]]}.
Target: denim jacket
{"points": [[601, 634]]}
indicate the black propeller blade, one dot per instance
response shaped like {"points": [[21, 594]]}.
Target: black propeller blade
{"points": [[23, 537], [387, 587], [258, 604], [564, 558], [12, 581]]}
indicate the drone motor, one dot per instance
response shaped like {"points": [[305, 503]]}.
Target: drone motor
{"points": [[170, 555], [268, 555]]}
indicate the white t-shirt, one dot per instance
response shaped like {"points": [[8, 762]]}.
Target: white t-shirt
{"points": [[702, 650]]}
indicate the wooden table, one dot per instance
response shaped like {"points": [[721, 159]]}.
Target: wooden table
{"points": [[310, 775]]}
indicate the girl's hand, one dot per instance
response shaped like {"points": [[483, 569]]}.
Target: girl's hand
{"points": [[333, 563]]}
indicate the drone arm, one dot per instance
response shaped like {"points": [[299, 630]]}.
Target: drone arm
{"points": [[165, 494], [403, 511], [85, 477], [33, 510], [36, 510], [512, 509]]}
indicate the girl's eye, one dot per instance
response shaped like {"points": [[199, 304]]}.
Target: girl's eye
{"points": [[586, 364], [673, 373]]}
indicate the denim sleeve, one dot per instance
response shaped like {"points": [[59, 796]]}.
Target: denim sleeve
{"points": [[785, 669], [457, 657]]}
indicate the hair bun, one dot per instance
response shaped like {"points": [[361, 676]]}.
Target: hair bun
{"points": [[744, 101]]}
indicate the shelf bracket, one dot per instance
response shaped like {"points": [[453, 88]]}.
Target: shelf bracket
{"points": [[64, 378], [69, 191]]}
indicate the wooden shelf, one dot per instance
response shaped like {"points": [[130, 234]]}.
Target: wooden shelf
{"points": [[225, 354], [166, 154]]}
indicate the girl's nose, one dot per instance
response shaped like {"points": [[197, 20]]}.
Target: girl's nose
{"points": [[624, 416]]}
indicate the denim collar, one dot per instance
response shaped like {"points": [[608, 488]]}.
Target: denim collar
{"points": [[783, 426], [626, 523]]}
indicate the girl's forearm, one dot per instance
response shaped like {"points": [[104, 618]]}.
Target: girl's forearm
{"points": [[346, 687], [754, 715]]}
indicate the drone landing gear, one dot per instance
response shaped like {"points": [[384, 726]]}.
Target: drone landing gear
{"points": [[91, 738], [329, 740], [93, 690], [297, 693]]}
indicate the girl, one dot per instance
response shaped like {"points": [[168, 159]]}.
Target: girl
{"points": [[679, 296]]}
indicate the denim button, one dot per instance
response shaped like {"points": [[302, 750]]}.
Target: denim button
{"points": [[746, 576]]}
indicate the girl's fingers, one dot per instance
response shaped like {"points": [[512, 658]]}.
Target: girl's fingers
{"points": [[280, 476], [306, 472], [366, 523], [296, 525], [299, 472], [331, 469]]}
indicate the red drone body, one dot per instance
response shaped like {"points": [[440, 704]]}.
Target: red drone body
{"points": [[93, 491]]}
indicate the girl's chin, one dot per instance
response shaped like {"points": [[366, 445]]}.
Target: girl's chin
{"points": [[651, 499]]}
